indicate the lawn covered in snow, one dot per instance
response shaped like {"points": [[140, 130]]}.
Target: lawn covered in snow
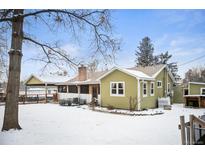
{"points": [[54, 124]]}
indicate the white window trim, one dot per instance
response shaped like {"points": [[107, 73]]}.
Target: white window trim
{"points": [[144, 82], [160, 82], [201, 90], [151, 88], [118, 95], [168, 88]]}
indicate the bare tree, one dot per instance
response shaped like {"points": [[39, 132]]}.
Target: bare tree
{"points": [[96, 22], [93, 65]]}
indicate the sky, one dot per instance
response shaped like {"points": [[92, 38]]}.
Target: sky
{"points": [[181, 32]]}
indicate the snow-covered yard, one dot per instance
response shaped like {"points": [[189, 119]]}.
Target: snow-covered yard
{"points": [[54, 124]]}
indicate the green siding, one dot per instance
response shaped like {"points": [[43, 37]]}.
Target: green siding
{"points": [[118, 101], [148, 101], [151, 101], [178, 94], [131, 90], [195, 89]]}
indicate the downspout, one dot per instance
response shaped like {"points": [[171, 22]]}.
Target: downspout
{"points": [[138, 95]]}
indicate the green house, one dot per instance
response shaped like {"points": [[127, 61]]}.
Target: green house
{"points": [[194, 94], [141, 85]]}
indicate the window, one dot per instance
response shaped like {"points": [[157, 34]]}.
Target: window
{"points": [[98, 89], [62, 89], [84, 89], [144, 89], [159, 84], [186, 92], [73, 89], [202, 91], [117, 88], [49, 91], [168, 88], [152, 89]]}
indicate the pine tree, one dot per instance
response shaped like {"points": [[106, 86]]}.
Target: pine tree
{"points": [[145, 53], [164, 57]]}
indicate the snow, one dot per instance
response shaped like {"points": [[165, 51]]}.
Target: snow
{"points": [[55, 124], [138, 74], [50, 79]]}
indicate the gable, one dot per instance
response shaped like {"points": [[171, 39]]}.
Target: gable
{"points": [[34, 80], [118, 75], [162, 72]]}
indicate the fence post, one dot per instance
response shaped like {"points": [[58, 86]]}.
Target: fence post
{"points": [[191, 118], [37, 98], [182, 124]]}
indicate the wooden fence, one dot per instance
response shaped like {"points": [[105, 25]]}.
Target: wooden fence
{"points": [[192, 132], [34, 98]]}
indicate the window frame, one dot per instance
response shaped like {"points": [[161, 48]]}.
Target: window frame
{"points": [[152, 83], [74, 88], [159, 81], [168, 88], [117, 88], [61, 89], [144, 95], [202, 90], [84, 89]]}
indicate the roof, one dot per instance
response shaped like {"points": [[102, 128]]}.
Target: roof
{"points": [[149, 70], [153, 70], [92, 78], [49, 79], [132, 72]]}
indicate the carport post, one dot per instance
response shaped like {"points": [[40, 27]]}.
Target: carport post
{"points": [[46, 91], [25, 99]]}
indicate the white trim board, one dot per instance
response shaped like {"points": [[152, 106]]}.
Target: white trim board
{"points": [[199, 83], [126, 72]]}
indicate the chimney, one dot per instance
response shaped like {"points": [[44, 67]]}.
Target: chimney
{"points": [[82, 73]]}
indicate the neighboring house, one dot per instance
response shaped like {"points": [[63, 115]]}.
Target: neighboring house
{"points": [[194, 94], [143, 84], [43, 86], [85, 86]]}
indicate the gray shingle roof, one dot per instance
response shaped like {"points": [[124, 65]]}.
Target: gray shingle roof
{"points": [[149, 70], [91, 79]]}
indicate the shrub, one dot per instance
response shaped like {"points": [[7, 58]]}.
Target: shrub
{"points": [[110, 107]]}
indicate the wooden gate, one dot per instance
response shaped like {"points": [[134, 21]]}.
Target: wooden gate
{"points": [[192, 132]]}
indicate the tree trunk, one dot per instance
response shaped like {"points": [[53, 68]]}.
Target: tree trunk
{"points": [[15, 55]]}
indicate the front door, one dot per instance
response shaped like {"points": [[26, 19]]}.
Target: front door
{"points": [[94, 92]]}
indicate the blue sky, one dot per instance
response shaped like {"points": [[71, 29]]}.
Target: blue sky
{"points": [[181, 32]]}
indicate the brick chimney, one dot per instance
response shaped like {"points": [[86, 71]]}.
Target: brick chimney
{"points": [[82, 73]]}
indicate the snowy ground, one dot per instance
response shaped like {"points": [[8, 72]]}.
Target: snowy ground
{"points": [[54, 124]]}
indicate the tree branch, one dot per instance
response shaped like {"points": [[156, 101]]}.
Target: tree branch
{"points": [[44, 46]]}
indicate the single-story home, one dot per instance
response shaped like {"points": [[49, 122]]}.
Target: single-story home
{"points": [[117, 86], [194, 94], [144, 85]]}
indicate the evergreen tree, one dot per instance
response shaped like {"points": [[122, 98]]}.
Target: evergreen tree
{"points": [[145, 53], [163, 58]]}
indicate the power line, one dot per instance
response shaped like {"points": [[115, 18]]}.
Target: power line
{"points": [[192, 60]]}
